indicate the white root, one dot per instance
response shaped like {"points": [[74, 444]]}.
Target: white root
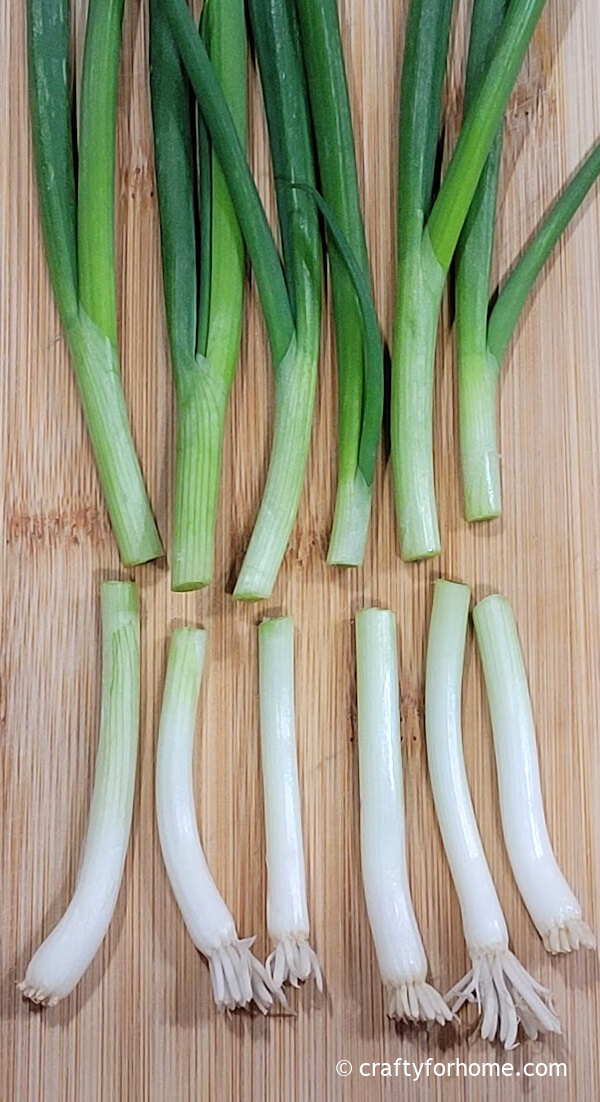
{"points": [[507, 996], [565, 937], [293, 961], [416, 1002], [239, 979], [40, 995]]}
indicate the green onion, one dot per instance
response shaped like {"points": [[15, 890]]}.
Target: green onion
{"points": [[204, 325], [360, 364], [238, 979], [400, 953], [61, 960], [79, 242], [290, 301], [292, 959], [276, 41], [554, 909], [505, 993], [484, 332], [428, 232]]}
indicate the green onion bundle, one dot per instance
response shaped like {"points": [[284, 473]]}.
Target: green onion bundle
{"points": [[428, 231], [290, 298], [199, 230], [484, 329]]}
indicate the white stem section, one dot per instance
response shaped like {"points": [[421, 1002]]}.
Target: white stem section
{"points": [[237, 977], [287, 910], [400, 953], [505, 993], [61, 960], [548, 898]]}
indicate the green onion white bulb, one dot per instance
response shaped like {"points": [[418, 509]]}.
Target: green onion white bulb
{"points": [[292, 959], [505, 993], [61, 960], [238, 979], [400, 953], [553, 907]]}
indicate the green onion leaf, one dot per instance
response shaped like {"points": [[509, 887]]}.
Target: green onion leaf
{"points": [[359, 363], [79, 243]]}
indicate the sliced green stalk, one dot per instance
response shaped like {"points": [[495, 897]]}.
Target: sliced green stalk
{"points": [[505, 993], [420, 278], [483, 331], [427, 241], [204, 348], [360, 369], [292, 960], [238, 979], [476, 374], [61, 960], [400, 953], [554, 909], [290, 308], [277, 45], [79, 244], [483, 344]]}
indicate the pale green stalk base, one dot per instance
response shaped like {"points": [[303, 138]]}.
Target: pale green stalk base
{"points": [[350, 522], [61, 960], [421, 284], [294, 403], [97, 371], [201, 409], [478, 379]]}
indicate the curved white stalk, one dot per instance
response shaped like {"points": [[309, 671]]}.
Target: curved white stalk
{"points": [[61, 960], [400, 954], [237, 977], [504, 991], [552, 905], [292, 959]]}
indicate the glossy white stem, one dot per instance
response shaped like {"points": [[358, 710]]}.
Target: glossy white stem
{"points": [[552, 905], [400, 953]]}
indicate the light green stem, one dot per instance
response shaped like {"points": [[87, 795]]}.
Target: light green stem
{"points": [[421, 284]]}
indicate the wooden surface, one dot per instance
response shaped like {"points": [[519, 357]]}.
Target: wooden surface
{"points": [[141, 1025]]}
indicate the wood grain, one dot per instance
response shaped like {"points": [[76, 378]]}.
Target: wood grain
{"points": [[141, 1024]]}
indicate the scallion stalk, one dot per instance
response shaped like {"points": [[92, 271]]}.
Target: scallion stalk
{"points": [[78, 228], [554, 910], [400, 953], [204, 325], [360, 365], [238, 979], [484, 329], [276, 40], [505, 993], [428, 231], [292, 959], [61, 960], [290, 301]]}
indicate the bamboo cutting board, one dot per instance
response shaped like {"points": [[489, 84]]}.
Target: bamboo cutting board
{"points": [[141, 1025]]}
